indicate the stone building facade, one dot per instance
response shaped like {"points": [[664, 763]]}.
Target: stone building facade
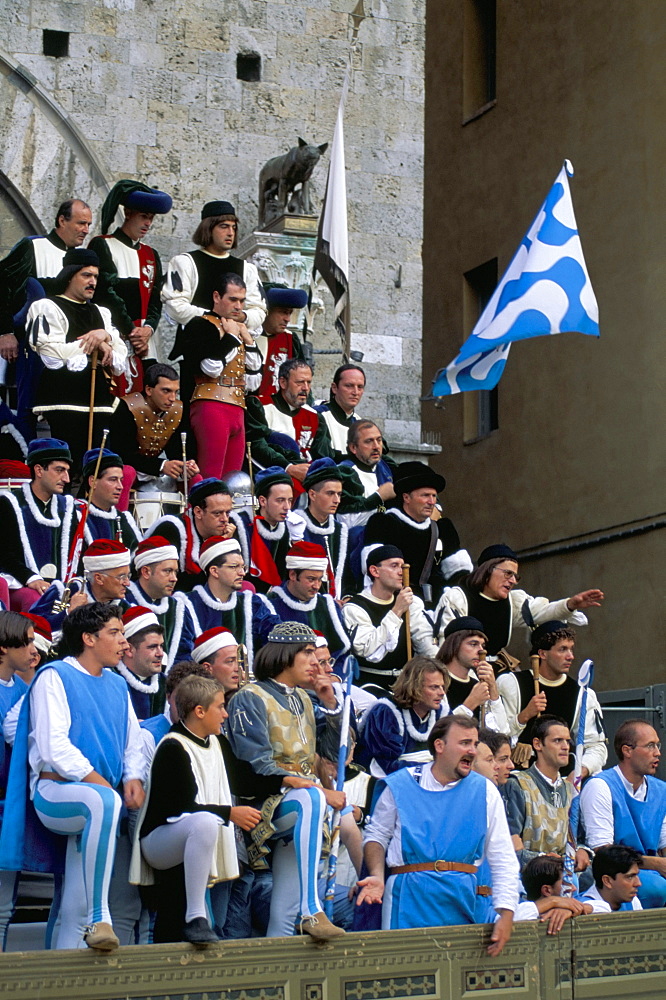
{"points": [[193, 96]]}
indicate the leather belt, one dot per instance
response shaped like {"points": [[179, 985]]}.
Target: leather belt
{"points": [[226, 380], [436, 866], [484, 890], [51, 776]]}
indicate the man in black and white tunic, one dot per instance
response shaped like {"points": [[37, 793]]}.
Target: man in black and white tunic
{"points": [[69, 332]]}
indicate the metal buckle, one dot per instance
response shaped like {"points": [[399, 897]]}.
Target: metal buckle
{"points": [[443, 867]]}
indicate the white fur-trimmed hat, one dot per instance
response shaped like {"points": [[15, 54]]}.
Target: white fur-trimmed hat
{"points": [[154, 550], [215, 547], [208, 643], [307, 555]]}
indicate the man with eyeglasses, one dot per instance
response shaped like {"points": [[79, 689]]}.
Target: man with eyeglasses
{"points": [[560, 694], [538, 800], [106, 565], [627, 805], [222, 601]]}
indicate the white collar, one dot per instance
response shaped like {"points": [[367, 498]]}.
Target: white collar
{"points": [[108, 515], [143, 600], [292, 602], [419, 525], [51, 522], [271, 534], [145, 687], [318, 529], [212, 602]]}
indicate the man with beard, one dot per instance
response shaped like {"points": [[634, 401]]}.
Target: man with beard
{"points": [[468, 827], [156, 568], [282, 428], [70, 333], [627, 805]]}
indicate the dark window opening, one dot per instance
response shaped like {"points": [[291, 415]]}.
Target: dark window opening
{"points": [[479, 56], [248, 67], [55, 43], [481, 409]]}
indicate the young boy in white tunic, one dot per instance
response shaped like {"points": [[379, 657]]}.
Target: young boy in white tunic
{"points": [[188, 817]]}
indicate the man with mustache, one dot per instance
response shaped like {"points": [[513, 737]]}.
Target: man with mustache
{"points": [[26, 273], [282, 428], [69, 331], [130, 270], [367, 477], [448, 804]]}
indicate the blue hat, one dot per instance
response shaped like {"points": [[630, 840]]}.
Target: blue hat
{"points": [[321, 471], [109, 460], [271, 476], [206, 488], [214, 208], [155, 202], [44, 450], [287, 298]]}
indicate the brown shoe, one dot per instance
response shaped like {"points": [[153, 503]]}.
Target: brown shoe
{"points": [[101, 937], [319, 927]]}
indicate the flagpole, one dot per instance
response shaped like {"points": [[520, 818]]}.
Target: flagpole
{"points": [[585, 675]]}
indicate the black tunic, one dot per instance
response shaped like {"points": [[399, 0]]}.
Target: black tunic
{"points": [[393, 662]]}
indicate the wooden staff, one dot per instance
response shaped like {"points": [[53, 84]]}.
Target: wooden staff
{"points": [[534, 663], [183, 444], [484, 707], [91, 413], [408, 633]]}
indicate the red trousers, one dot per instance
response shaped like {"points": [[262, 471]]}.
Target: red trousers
{"points": [[219, 429]]}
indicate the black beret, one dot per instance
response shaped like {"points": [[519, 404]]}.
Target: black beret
{"points": [[382, 552], [213, 208], [497, 552], [462, 623]]}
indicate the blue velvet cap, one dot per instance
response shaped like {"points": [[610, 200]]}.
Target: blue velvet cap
{"points": [[153, 201], [109, 460], [43, 450], [271, 476], [206, 488], [321, 471], [287, 298]]}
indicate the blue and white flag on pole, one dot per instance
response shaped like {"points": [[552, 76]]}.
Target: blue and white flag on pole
{"points": [[546, 289]]}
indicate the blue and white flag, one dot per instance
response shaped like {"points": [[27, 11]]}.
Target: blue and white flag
{"points": [[546, 289]]}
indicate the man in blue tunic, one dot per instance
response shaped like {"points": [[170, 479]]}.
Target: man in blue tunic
{"points": [[433, 847], [77, 751], [627, 805]]}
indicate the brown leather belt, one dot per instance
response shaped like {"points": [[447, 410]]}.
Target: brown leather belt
{"points": [[436, 866], [226, 380], [484, 890], [51, 776]]}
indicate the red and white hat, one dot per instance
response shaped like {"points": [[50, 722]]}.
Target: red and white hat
{"points": [[321, 639], [154, 550], [137, 618], [207, 644], [104, 554], [43, 635], [307, 555], [215, 547]]}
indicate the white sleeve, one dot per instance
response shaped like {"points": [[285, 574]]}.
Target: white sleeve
{"points": [[118, 345], [542, 610], [371, 643], [10, 722], [255, 304], [134, 764], [596, 809], [381, 826], [500, 853], [46, 331], [451, 604], [178, 290], [50, 722], [526, 911], [253, 368], [509, 692], [497, 714], [420, 627], [595, 750]]}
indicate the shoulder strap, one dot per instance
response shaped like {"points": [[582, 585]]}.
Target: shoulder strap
{"points": [[430, 558]]}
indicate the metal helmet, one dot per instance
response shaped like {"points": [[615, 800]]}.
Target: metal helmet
{"points": [[240, 487]]}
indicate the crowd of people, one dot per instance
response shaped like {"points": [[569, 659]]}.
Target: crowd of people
{"points": [[242, 649]]}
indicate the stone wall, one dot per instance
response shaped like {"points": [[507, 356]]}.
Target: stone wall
{"points": [[150, 90]]}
